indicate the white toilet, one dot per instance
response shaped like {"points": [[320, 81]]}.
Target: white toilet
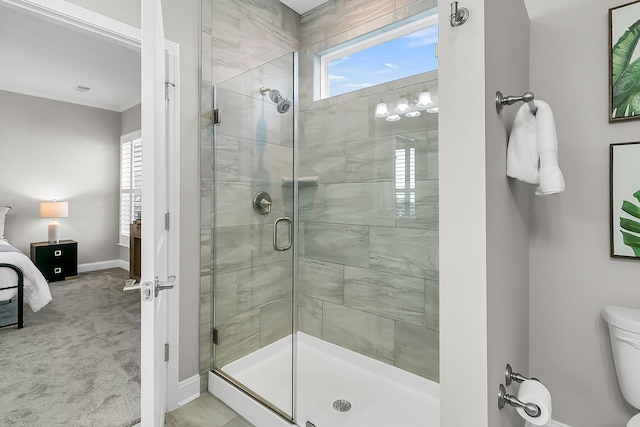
{"points": [[624, 331]]}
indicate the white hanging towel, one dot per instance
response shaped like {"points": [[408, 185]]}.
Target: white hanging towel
{"points": [[532, 154]]}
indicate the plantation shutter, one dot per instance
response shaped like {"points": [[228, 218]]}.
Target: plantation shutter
{"points": [[130, 184]]}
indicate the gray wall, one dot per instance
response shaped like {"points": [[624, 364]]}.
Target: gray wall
{"points": [[181, 19], [483, 264], [508, 205], [368, 272], [131, 119], [51, 149], [463, 291], [572, 275]]}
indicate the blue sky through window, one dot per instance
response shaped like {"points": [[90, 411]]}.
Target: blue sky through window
{"points": [[394, 59]]}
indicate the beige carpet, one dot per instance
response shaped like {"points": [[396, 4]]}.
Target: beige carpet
{"points": [[77, 361]]}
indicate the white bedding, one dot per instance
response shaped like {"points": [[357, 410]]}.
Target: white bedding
{"points": [[36, 288]]}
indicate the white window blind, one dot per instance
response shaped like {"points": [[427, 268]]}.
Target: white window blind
{"points": [[130, 183], [406, 182]]}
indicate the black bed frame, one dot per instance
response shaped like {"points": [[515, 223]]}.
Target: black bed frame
{"points": [[20, 287]]}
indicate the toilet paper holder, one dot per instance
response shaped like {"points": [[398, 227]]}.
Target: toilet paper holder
{"points": [[510, 376], [531, 409]]}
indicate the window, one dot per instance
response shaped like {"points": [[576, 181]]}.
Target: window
{"points": [[130, 183], [390, 53]]}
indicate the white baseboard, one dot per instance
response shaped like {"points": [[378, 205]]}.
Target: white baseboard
{"points": [[555, 423], [103, 265], [188, 390]]}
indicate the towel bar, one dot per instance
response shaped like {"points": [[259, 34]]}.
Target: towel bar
{"points": [[527, 97]]}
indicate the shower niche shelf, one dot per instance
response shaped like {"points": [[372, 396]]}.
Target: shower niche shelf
{"points": [[303, 181]]}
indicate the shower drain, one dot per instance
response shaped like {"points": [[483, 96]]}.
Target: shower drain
{"points": [[341, 405]]}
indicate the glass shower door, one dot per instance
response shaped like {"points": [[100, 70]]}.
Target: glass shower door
{"points": [[253, 233]]}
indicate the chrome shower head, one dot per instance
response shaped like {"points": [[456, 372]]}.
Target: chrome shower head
{"points": [[282, 104]]}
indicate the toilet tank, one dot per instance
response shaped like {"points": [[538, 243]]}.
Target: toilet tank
{"points": [[624, 331]]}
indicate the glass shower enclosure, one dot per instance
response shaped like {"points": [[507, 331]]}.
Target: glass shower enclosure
{"points": [[253, 256], [324, 252]]}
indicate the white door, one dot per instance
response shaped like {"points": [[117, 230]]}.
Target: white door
{"points": [[155, 238]]}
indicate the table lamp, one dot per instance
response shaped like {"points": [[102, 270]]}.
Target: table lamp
{"points": [[54, 210]]}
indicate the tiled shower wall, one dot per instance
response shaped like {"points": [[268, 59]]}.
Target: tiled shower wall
{"points": [[368, 272], [238, 36]]}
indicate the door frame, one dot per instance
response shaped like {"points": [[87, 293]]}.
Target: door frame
{"points": [[128, 36]]}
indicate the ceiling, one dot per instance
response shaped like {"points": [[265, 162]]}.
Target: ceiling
{"points": [[303, 6], [44, 58]]}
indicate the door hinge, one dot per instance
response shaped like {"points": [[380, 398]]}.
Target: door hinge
{"points": [[215, 336], [167, 221], [166, 352], [216, 116], [167, 83]]}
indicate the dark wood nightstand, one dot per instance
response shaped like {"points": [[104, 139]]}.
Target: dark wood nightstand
{"points": [[56, 261]]}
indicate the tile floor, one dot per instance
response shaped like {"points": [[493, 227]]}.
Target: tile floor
{"points": [[205, 411]]}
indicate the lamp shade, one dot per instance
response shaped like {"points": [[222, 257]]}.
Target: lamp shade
{"points": [[403, 105], [424, 100], [54, 209], [382, 110]]}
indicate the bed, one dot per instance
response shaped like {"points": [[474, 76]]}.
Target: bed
{"points": [[20, 279], [19, 286]]}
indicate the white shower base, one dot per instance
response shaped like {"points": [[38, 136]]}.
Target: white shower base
{"points": [[381, 395]]}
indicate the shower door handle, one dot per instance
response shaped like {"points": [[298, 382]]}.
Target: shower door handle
{"points": [[275, 234]]}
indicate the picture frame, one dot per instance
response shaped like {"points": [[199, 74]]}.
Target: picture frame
{"points": [[624, 159], [624, 62]]}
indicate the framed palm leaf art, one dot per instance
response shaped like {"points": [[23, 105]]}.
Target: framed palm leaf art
{"points": [[624, 62], [625, 199]]}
